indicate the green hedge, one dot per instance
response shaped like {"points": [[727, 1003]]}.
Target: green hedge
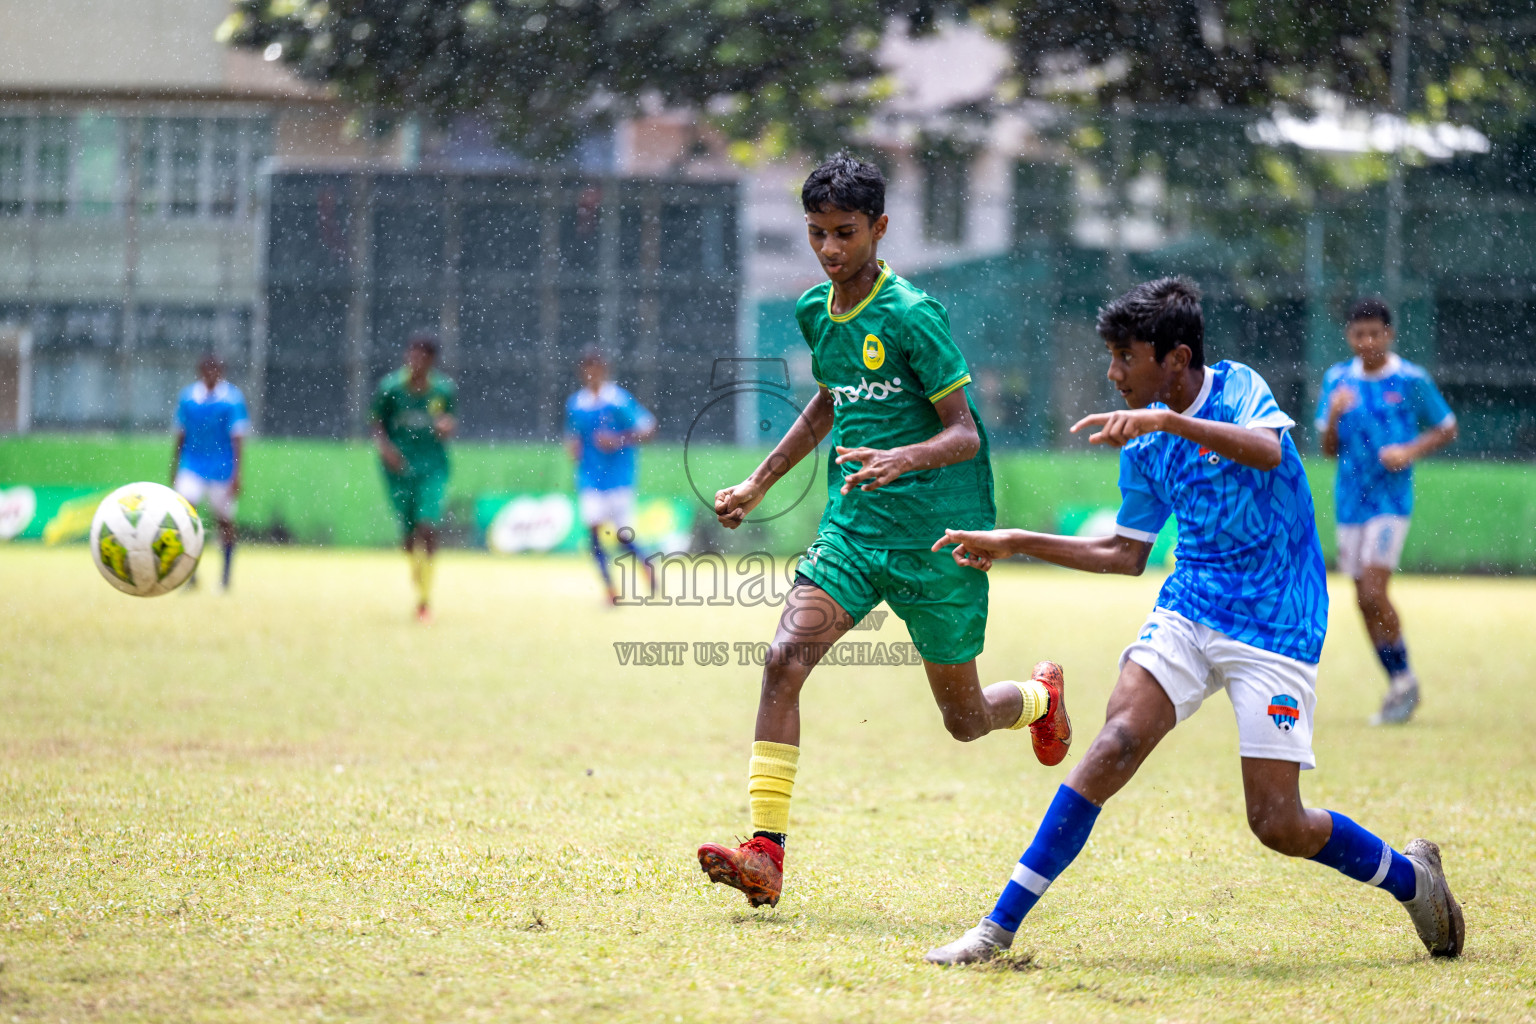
{"points": [[1471, 516]]}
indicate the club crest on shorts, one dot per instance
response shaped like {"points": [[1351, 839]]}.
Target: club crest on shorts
{"points": [[1284, 710]]}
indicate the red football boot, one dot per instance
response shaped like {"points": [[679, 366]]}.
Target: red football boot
{"points": [[756, 867], [1052, 735]]}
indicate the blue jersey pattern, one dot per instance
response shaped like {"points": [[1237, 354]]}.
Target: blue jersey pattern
{"points": [[1392, 406], [211, 420], [1249, 563], [612, 409]]}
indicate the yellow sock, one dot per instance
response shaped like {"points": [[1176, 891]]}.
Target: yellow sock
{"points": [[1037, 702], [771, 779], [424, 583]]}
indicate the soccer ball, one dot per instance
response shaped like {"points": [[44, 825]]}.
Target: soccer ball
{"points": [[146, 539]]}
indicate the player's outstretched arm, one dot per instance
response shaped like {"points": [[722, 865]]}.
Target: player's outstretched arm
{"points": [[958, 441], [978, 549], [1256, 447], [732, 504], [1398, 457]]}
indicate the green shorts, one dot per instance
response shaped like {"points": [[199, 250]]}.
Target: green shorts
{"points": [[943, 604], [418, 498]]}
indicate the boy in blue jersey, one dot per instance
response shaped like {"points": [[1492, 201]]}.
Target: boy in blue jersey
{"points": [[604, 428], [1244, 610], [1379, 414], [211, 426]]}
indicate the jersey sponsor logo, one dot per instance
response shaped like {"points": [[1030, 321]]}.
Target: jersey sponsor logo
{"points": [[879, 391], [874, 352], [1285, 711], [1392, 397]]}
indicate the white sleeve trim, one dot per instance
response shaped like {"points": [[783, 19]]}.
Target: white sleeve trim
{"points": [[1141, 535], [1449, 421], [1273, 421], [240, 429]]}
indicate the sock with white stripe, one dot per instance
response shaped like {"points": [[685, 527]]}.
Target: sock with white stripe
{"points": [[1367, 858], [1059, 839]]}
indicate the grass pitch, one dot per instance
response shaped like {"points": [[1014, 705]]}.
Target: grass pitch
{"points": [[293, 803]]}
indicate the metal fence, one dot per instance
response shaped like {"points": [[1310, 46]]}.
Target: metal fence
{"points": [[516, 274]]}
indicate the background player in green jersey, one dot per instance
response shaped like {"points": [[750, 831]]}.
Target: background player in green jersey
{"points": [[413, 415], [911, 455]]}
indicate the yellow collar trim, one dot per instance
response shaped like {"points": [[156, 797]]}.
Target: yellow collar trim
{"points": [[842, 318]]}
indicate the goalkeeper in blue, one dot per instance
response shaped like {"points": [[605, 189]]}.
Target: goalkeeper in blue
{"points": [[1244, 611]]}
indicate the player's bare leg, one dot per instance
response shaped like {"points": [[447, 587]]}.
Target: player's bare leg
{"points": [[1386, 632], [811, 623], [1138, 717], [1281, 822], [971, 712]]}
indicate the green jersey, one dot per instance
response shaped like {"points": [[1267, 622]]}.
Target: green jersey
{"points": [[408, 417], [885, 362]]}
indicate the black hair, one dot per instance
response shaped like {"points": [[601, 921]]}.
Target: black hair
{"points": [[1165, 312], [844, 182], [1371, 309], [426, 341]]}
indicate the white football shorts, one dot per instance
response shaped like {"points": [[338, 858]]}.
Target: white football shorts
{"points": [[614, 507], [1376, 543], [220, 493], [1273, 696]]}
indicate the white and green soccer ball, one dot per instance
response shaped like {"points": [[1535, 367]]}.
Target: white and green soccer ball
{"points": [[146, 539]]}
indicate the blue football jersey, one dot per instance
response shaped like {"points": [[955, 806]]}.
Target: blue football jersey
{"points": [[611, 410], [1392, 406], [1249, 563], [211, 420]]}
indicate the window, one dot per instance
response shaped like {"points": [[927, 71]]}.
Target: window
{"points": [[13, 163], [98, 158], [80, 165], [50, 189], [186, 149], [226, 167]]}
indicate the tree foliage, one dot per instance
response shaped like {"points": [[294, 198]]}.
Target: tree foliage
{"points": [[1470, 60], [544, 70], [801, 72]]}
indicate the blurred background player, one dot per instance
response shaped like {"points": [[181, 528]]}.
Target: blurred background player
{"points": [[1379, 414], [211, 425], [604, 427], [413, 417]]}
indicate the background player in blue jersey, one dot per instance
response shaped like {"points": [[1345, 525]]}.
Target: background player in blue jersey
{"points": [[1379, 414], [1244, 610], [211, 426], [604, 428]]}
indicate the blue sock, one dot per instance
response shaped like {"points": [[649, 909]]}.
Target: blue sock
{"points": [[1061, 835], [1394, 658], [601, 557], [1367, 858]]}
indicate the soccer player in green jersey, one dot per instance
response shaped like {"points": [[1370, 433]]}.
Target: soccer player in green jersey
{"points": [[911, 455], [413, 415]]}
